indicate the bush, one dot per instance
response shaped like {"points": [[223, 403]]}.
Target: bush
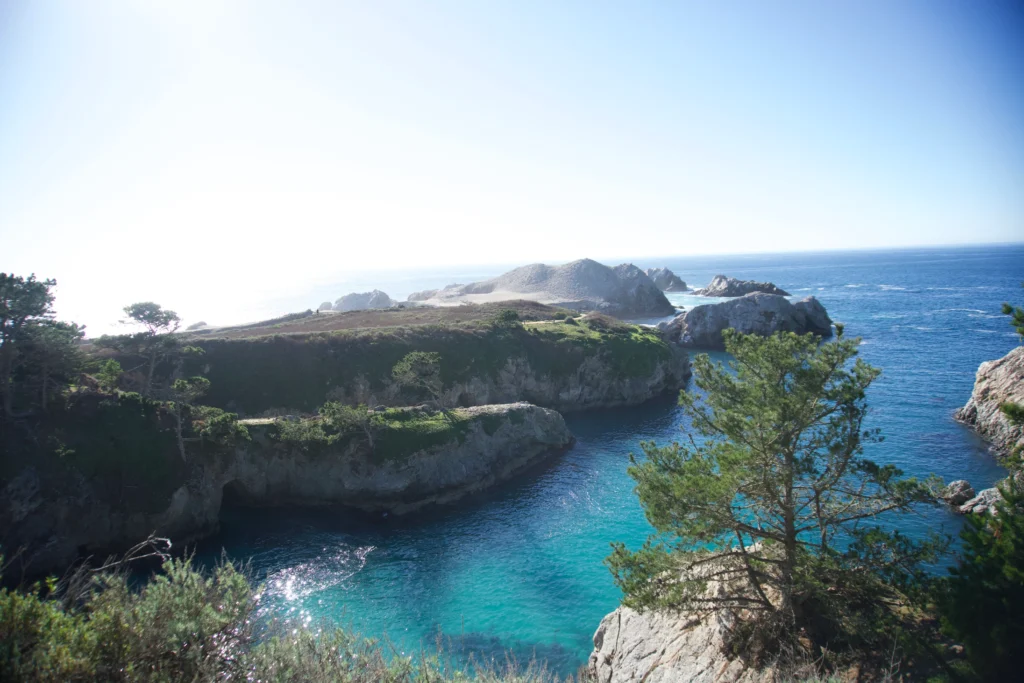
{"points": [[187, 625]]}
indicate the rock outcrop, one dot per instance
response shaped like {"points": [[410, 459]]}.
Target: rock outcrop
{"points": [[730, 286], [983, 503], [325, 306], [764, 314], [663, 647], [363, 300], [665, 280], [73, 515], [998, 381], [957, 492], [624, 291]]}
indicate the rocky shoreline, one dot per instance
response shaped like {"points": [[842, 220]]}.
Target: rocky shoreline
{"points": [[492, 444]]}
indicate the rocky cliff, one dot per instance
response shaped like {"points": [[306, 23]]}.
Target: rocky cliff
{"points": [[624, 291], [360, 301], [586, 364], [665, 280], [998, 381], [57, 512], [730, 286], [764, 314]]}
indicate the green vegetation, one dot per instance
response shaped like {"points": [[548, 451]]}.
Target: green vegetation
{"points": [[301, 372], [38, 355], [982, 602], [187, 626], [776, 501], [391, 434]]}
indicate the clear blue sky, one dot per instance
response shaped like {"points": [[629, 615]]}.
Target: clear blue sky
{"points": [[208, 150]]}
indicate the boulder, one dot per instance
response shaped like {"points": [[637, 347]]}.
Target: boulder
{"points": [[624, 291], [363, 300], [730, 286], [984, 502], [665, 280], [326, 306], [196, 326], [957, 492], [998, 381], [763, 314]]}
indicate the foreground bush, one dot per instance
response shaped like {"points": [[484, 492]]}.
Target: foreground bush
{"points": [[186, 625]]}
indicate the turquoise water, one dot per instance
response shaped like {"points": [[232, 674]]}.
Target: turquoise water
{"points": [[520, 567]]}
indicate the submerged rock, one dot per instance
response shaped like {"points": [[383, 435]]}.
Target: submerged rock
{"points": [[730, 286], [363, 300], [997, 382], [957, 492], [763, 314], [665, 280], [624, 291]]}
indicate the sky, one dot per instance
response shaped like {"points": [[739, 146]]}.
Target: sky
{"points": [[207, 153]]}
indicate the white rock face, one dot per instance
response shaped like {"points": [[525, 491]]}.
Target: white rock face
{"points": [[623, 291], [984, 502], [958, 492], [363, 300], [730, 286], [763, 314], [997, 381], [660, 647], [665, 280]]}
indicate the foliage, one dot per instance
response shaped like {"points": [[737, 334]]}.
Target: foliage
{"points": [[420, 372], [153, 317], [109, 375], [507, 318], [154, 343], [773, 500], [34, 349], [982, 604], [301, 372], [189, 626], [1016, 314]]}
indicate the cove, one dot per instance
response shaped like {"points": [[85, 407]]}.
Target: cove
{"points": [[520, 567]]}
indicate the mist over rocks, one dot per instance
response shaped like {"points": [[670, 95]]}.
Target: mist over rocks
{"points": [[623, 291], [360, 301], [730, 286], [762, 314], [665, 280]]}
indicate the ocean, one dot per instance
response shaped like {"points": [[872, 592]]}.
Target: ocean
{"points": [[520, 568]]}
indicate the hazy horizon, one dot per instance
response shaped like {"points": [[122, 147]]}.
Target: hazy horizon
{"points": [[199, 154]]}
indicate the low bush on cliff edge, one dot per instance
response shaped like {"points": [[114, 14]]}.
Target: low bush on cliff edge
{"points": [[186, 625]]}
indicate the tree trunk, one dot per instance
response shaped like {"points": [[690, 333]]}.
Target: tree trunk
{"points": [[149, 375], [789, 525]]}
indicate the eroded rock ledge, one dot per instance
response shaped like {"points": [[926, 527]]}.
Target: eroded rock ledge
{"points": [[58, 516]]}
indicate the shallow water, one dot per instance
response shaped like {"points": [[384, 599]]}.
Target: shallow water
{"points": [[520, 568]]}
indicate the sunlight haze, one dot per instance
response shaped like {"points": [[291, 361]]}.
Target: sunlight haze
{"points": [[210, 154]]}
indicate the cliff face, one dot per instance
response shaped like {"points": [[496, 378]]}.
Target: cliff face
{"points": [[58, 518], [552, 364], [998, 381], [764, 314]]}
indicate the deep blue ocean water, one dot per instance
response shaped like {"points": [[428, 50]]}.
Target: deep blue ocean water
{"points": [[520, 569]]}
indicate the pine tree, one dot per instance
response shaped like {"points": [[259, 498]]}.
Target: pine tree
{"points": [[774, 498]]}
